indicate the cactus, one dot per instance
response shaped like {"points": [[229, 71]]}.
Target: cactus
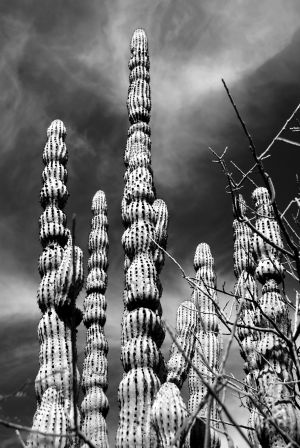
{"points": [[60, 266], [246, 295], [168, 415], [142, 331], [94, 376], [169, 411], [51, 419], [207, 345], [273, 362]]}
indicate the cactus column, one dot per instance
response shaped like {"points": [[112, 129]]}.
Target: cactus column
{"points": [[207, 345], [273, 362], [94, 377], [60, 266], [142, 332], [246, 296]]}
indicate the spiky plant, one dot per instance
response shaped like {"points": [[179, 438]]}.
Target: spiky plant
{"points": [[246, 296], [142, 332], [60, 266], [169, 411], [208, 343], [280, 417], [94, 376]]}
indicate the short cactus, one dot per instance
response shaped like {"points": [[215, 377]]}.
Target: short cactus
{"points": [[142, 332], [273, 361], [60, 266], [208, 343], [169, 412], [94, 376]]}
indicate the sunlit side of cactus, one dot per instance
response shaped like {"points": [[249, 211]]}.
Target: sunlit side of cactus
{"points": [[142, 332], [246, 296], [60, 266], [169, 412], [51, 419], [94, 376], [208, 343], [273, 363]]}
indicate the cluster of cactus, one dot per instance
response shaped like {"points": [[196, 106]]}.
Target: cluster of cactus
{"points": [[152, 410]]}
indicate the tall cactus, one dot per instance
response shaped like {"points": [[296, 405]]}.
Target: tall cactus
{"points": [[246, 295], [94, 377], [169, 411], [207, 345], [60, 266], [142, 332], [273, 363]]}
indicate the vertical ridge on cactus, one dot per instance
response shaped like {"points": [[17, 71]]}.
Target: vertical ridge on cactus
{"points": [[94, 376], [60, 266], [246, 296], [169, 411], [208, 342], [142, 332], [273, 361]]}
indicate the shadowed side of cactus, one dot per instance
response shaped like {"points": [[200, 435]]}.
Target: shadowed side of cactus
{"points": [[142, 331], [246, 296], [94, 376], [60, 266], [208, 343], [273, 360], [169, 412]]}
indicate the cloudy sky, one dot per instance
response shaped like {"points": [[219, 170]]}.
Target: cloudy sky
{"points": [[68, 60]]}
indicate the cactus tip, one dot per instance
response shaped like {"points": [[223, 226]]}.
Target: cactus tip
{"points": [[202, 255], [99, 202], [57, 127], [139, 40]]}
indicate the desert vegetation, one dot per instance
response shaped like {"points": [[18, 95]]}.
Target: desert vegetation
{"points": [[263, 320]]}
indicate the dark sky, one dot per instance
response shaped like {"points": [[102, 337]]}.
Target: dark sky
{"points": [[68, 60]]}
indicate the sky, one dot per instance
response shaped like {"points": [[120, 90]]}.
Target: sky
{"points": [[68, 60]]}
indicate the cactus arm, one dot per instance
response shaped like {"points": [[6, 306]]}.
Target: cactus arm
{"points": [[94, 376]]}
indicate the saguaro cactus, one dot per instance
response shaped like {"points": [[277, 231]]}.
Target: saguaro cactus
{"points": [[207, 345], [142, 333], [94, 377], [169, 411], [273, 363], [60, 266], [246, 295]]}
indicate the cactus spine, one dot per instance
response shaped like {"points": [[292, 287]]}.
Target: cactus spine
{"points": [[207, 345], [246, 295], [94, 377], [142, 332], [60, 266], [273, 363], [169, 411]]}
